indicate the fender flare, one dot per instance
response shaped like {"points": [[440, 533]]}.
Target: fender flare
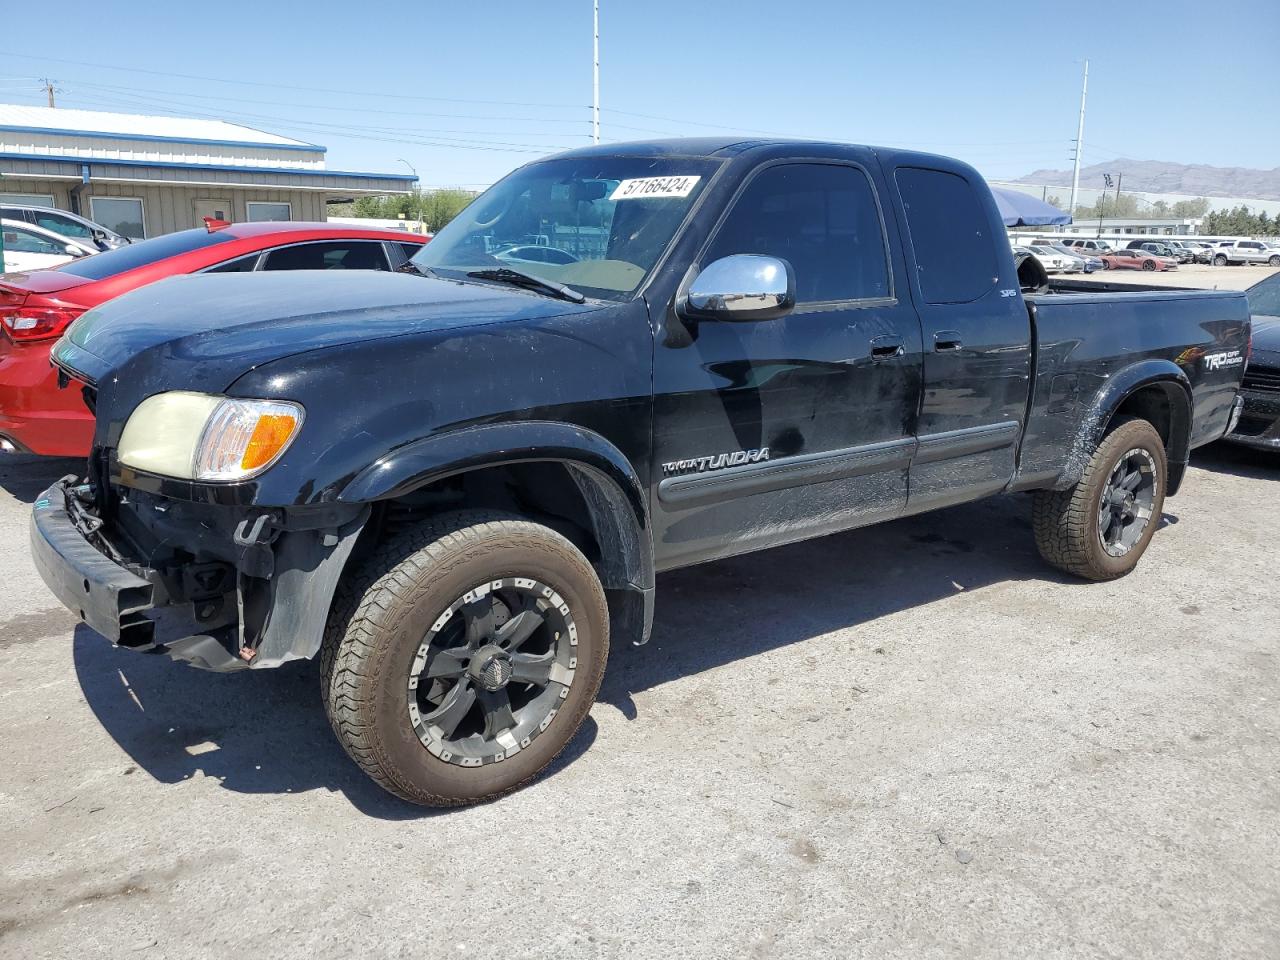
{"points": [[1118, 388], [610, 487]]}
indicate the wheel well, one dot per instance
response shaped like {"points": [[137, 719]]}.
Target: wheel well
{"points": [[1165, 406], [577, 501]]}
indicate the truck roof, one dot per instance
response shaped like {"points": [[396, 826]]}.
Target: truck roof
{"points": [[728, 146]]}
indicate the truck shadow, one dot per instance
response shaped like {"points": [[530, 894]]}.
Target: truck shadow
{"points": [[1238, 461], [26, 477], [253, 732], [267, 733], [711, 615]]}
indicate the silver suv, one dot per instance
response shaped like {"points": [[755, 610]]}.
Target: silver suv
{"points": [[65, 224]]}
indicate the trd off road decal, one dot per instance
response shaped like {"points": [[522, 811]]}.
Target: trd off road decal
{"points": [[716, 462], [1221, 361]]}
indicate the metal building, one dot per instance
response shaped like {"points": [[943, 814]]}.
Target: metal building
{"points": [[143, 176]]}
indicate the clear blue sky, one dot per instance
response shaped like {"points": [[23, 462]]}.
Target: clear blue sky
{"points": [[995, 83]]}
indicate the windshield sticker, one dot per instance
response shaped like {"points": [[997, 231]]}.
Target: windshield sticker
{"points": [[654, 188]]}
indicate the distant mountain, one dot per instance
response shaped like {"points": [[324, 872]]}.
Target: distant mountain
{"points": [[1156, 176]]}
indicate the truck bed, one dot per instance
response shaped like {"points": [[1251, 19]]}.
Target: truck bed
{"points": [[1088, 332]]}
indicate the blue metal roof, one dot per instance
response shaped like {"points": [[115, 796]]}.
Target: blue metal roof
{"points": [[153, 138], [169, 165]]}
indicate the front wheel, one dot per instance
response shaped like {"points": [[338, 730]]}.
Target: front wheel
{"points": [[1100, 528], [1219, 261], [1148, 265], [463, 656], [1274, 261]]}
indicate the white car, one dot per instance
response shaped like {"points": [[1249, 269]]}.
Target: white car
{"points": [[28, 247], [1054, 261]]}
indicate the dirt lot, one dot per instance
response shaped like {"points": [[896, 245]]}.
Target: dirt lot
{"points": [[1188, 275], [909, 741]]}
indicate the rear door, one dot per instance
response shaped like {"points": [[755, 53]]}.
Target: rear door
{"points": [[769, 431], [977, 334]]}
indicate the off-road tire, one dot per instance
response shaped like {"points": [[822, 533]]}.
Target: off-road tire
{"points": [[1066, 521], [383, 609]]}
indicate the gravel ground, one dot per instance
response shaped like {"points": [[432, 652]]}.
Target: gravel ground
{"points": [[908, 741], [1187, 275]]}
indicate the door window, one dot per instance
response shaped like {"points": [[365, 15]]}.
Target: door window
{"points": [[61, 223], [122, 215], [17, 240], [950, 235], [328, 255], [820, 217]]}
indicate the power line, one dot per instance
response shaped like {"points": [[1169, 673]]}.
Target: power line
{"points": [[96, 84], [285, 86]]}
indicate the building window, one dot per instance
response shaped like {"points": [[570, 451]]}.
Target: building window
{"points": [[121, 214], [260, 210], [27, 199]]}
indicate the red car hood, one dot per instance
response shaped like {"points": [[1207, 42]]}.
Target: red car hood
{"points": [[41, 281]]}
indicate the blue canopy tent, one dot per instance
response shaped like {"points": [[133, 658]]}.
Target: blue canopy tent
{"points": [[1023, 210]]}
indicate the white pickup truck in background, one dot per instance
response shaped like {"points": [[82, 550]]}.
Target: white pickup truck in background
{"points": [[1245, 251]]}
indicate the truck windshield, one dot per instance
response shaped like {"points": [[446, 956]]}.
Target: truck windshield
{"points": [[596, 224]]}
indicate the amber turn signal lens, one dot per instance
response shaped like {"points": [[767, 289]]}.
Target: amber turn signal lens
{"points": [[269, 437]]}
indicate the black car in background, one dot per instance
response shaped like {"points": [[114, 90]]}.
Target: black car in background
{"points": [[1259, 424], [1162, 249]]}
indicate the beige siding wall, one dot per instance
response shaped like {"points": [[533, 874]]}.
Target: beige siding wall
{"points": [[166, 209]]}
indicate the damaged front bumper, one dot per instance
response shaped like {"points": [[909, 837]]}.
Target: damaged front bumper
{"points": [[251, 588]]}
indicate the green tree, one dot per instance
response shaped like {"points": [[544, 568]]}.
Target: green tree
{"points": [[434, 207]]}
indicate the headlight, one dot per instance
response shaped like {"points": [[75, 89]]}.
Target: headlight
{"points": [[195, 436]]}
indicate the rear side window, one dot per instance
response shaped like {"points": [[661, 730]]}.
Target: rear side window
{"points": [[111, 262], [238, 265], [822, 218], [950, 235], [328, 255]]}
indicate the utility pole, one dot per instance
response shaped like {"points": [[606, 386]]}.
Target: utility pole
{"points": [[595, 76], [48, 88], [1075, 176]]}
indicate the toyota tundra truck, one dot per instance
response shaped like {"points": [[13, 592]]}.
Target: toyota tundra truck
{"points": [[454, 484]]}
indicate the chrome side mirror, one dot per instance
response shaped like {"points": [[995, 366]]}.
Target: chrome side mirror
{"points": [[744, 286]]}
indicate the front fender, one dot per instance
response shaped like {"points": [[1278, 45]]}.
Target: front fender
{"points": [[610, 487], [415, 464]]}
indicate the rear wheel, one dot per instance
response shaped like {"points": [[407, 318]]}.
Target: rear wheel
{"points": [[1100, 528], [1148, 265], [463, 657]]}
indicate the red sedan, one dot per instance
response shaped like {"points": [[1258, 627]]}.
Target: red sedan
{"points": [[35, 308], [1132, 260]]}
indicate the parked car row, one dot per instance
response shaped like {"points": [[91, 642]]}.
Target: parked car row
{"points": [[1169, 250], [53, 287]]}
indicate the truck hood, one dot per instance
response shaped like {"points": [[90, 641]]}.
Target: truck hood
{"points": [[209, 329]]}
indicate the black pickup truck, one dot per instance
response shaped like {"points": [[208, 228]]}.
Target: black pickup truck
{"points": [[454, 484]]}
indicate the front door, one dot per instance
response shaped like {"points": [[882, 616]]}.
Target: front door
{"points": [[216, 209], [771, 431]]}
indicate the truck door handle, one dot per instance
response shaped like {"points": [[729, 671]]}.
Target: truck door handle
{"points": [[886, 348], [945, 340]]}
